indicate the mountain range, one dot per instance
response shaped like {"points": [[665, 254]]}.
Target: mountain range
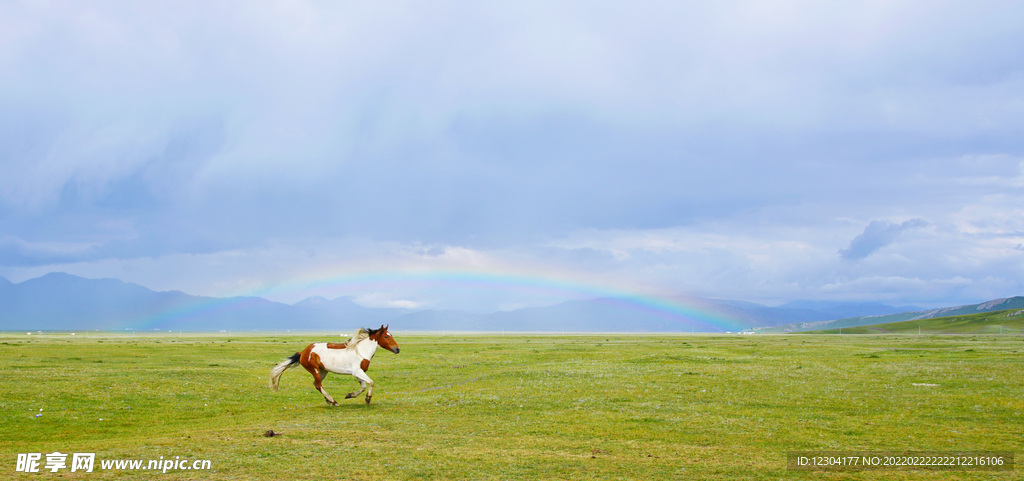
{"points": [[60, 301], [1016, 302]]}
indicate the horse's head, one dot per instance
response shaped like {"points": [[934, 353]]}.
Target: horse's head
{"points": [[384, 339]]}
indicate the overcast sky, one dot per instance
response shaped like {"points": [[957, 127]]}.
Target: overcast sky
{"points": [[763, 151]]}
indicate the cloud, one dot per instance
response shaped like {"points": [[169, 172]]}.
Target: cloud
{"points": [[378, 300], [729, 148], [15, 252], [876, 235]]}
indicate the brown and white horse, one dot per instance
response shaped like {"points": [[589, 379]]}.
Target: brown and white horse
{"points": [[352, 357]]}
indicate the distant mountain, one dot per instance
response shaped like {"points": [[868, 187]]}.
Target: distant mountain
{"points": [[841, 310], [59, 301], [993, 305], [750, 314]]}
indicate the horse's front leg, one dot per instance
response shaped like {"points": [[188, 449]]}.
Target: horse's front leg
{"points": [[365, 383], [362, 387]]}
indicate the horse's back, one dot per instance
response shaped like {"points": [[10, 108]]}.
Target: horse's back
{"points": [[338, 360]]}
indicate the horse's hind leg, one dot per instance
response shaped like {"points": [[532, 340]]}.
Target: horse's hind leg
{"points": [[318, 382], [312, 364]]}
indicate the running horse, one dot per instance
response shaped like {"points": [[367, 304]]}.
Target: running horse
{"points": [[352, 357]]}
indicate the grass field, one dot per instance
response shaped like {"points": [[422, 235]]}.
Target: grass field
{"points": [[514, 407], [995, 322]]}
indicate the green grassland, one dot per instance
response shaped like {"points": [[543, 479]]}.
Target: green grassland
{"points": [[514, 407], [995, 322]]}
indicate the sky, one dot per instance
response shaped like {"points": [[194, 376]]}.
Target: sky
{"points": [[496, 155]]}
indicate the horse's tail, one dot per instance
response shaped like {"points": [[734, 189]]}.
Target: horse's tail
{"points": [[278, 370]]}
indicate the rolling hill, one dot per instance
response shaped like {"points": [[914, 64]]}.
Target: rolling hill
{"points": [[984, 307], [1010, 321]]}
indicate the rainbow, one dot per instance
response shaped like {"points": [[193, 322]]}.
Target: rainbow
{"points": [[682, 313], [686, 311]]}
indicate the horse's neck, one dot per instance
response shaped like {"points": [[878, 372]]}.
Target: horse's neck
{"points": [[366, 348]]}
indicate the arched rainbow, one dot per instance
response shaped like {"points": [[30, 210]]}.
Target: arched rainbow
{"points": [[682, 314], [687, 312]]}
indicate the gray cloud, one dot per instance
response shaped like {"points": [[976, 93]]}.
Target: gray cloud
{"points": [[876, 235], [15, 252], [158, 130]]}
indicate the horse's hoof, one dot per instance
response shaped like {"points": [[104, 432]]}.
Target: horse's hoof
{"points": [[335, 403], [350, 395], [367, 400]]}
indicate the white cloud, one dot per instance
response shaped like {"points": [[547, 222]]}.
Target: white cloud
{"points": [[728, 150], [378, 299]]}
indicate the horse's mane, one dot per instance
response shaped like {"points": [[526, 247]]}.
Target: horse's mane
{"points": [[361, 334]]}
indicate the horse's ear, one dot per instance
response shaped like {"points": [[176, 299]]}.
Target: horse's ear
{"points": [[383, 328]]}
